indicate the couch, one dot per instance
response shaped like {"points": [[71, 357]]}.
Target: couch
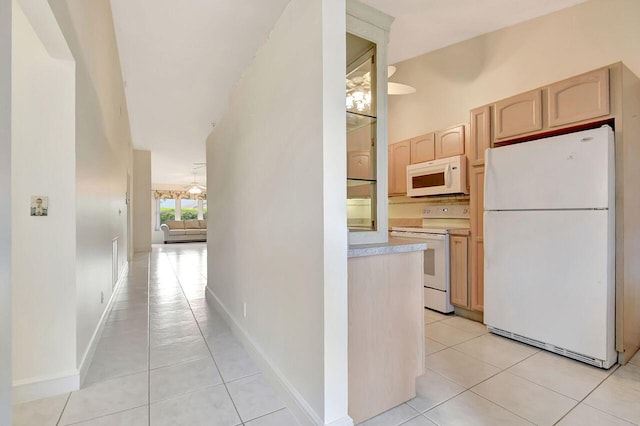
{"points": [[181, 231]]}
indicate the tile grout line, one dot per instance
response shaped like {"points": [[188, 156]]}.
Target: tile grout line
{"points": [[488, 378], [224, 383], [578, 402], [149, 339], [63, 408], [582, 401]]}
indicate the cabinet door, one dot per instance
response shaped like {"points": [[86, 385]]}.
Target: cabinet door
{"points": [[359, 165], [579, 98], [477, 230], [459, 271], [401, 155], [518, 114], [477, 286], [450, 142], [423, 148], [480, 135]]}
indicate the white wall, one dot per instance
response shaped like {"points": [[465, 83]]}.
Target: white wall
{"points": [[276, 173], [455, 79], [141, 203], [103, 158], [5, 211], [43, 248]]}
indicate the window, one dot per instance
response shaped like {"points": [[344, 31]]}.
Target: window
{"points": [[167, 210], [188, 209], [204, 209]]}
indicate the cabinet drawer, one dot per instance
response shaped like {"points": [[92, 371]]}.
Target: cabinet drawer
{"points": [[579, 98], [518, 114]]}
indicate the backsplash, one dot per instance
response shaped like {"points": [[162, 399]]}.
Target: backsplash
{"points": [[405, 209]]}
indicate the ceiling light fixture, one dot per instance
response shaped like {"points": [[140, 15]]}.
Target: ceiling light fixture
{"points": [[359, 90], [195, 188]]}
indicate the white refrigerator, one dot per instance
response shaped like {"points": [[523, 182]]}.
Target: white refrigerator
{"points": [[549, 244]]}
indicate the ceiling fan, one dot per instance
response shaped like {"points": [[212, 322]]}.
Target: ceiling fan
{"points": [[194, 187]]}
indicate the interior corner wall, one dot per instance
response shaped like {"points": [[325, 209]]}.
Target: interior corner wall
{"points": [[43, 247], [455, 79], [334, 144], [267, 233], [141, 201], [5, 211], [103, 158]]}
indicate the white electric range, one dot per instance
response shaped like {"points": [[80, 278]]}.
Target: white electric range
{"points": [[437, 222]]}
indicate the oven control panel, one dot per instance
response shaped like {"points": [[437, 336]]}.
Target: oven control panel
{"points": [[446, 211]]}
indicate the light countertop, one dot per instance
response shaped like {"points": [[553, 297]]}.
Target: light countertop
{"points": [[395, 245]]}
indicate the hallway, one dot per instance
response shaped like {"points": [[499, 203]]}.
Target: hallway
{"points": [[165, 358]]}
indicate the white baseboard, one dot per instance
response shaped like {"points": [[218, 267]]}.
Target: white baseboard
{"points": [[43, 387], [345, 421], [87, 357], [292, 398]]}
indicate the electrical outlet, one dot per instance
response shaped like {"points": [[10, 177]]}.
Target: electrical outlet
{"points": [[245, 308], [101, 297]]}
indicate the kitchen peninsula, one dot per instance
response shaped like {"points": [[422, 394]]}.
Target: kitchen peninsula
{"points": [[386, 325]]}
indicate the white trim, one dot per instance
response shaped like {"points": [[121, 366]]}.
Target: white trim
{"points": [[45, 386], [345, 421], [97, 334], [292, 398], [371, 24]]}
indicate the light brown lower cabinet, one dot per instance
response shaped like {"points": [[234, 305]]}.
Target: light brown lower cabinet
{"points": [[476, 301], [386, 331], [477, 271], [459, 278]]}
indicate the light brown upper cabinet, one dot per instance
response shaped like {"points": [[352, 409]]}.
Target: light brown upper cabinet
{"points": [[518, 114], [450, 142], [399, 159], [427, 147], [423, 148], [579, 98], [480, 139]]}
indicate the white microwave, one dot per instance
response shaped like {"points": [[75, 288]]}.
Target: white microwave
{"points": [[444, 176]]}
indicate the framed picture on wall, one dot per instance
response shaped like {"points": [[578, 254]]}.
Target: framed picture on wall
{"points": [[39, 205]]}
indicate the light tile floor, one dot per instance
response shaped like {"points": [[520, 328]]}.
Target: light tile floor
{"points": [[165, 358], [476, 378]]}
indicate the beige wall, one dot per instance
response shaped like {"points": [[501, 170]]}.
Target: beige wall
{"points": [[455, 79], [103, 159], [5, 212], [276, 173], [43, 248], [141, 201]]}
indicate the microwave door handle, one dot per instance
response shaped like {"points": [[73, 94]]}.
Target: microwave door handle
{"points": [[447, 176]]}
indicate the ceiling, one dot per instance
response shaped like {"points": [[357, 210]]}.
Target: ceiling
{"points": [[180, 63], [422, 26]]}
